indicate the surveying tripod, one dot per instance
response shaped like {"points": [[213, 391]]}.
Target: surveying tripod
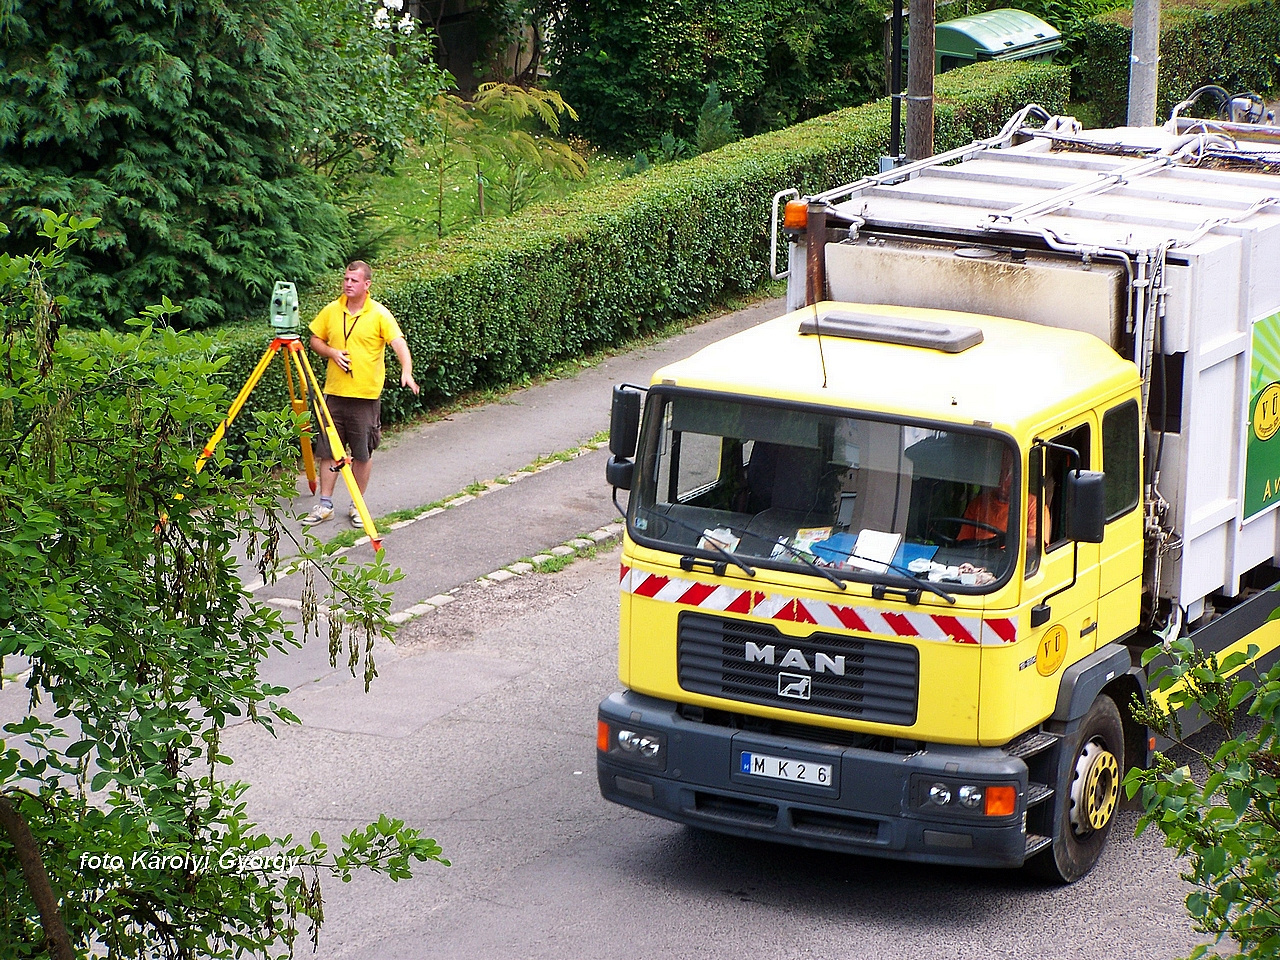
{"points": [[296, 364]]}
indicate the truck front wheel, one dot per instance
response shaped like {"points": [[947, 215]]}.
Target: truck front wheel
{"points": [[1091, 793]]}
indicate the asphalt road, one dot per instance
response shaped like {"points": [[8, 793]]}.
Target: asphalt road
{"points": [[480, 729]]}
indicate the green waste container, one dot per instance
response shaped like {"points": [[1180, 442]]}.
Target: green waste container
{"points": [[994, 35]]}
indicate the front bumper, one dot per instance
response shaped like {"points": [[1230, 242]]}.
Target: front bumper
{"points": [[876, 803]]}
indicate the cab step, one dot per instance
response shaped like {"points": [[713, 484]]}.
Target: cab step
{"points": [[1036, 843], [1031, 743], [1038, 793]]}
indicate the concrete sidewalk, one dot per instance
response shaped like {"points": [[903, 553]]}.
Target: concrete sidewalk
{"points": [[434, 461]]}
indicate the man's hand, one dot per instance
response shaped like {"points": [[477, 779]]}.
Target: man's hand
{"points": [[340, 357], [401, 350]]}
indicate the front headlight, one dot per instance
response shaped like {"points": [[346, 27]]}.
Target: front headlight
{"points": [[630, 744]]}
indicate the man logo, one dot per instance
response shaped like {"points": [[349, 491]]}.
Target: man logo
{"points": [[793, 685], [795, 659]]}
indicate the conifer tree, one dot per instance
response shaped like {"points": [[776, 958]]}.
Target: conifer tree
{"points": [[188, 127]]}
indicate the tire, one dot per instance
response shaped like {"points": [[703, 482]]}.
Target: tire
{"points": [[1088, 795]]}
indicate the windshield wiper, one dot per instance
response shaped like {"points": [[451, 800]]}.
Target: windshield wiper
{"points": [[909, 577], [702, 534], [813, 564]]}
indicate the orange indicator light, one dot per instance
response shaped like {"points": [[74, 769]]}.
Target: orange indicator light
{"points": [[602, 736], [1000, 801]]}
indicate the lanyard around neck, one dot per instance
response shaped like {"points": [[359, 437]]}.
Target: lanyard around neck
{"points": [[346, 333]]}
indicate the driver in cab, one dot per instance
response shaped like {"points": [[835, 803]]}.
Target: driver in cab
{"points": [[989, 510]]}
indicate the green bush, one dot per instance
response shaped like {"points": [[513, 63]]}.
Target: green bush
{"points": [[1232, 44], [510, 298], [1221, 811]]}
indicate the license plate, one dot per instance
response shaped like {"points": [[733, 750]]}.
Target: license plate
{"points": [[778, 768]]}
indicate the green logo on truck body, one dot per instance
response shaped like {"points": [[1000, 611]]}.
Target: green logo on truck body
{"points": [[1262, 448]]}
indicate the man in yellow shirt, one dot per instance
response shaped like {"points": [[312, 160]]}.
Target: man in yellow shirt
{"points": [[353, 333]]}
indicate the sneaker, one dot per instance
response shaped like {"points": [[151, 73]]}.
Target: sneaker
{"points": [[354, 516], [319, 514]]}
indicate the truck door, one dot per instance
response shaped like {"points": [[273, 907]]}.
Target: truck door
{"points": [[1120, 559], [1062, 581]]}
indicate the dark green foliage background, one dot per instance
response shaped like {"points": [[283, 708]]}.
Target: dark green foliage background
{"points": [[173, 121], [511, 298], [636, 69], [1235, 45]]}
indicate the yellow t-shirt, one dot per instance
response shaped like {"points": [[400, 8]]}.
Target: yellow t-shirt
{"points": [[364, 336]]}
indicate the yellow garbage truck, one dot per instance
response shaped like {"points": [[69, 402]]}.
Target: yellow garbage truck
{"points": [[893, 558]]}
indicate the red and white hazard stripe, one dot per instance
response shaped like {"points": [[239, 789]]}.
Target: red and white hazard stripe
{"points": [[772, 606]]}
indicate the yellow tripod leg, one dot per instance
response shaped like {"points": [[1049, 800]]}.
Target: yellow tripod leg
{"points": [[237, 404], [298, 400], [340, 455]]}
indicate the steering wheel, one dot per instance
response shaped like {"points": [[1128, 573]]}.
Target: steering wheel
{"points": [[997, 540]]}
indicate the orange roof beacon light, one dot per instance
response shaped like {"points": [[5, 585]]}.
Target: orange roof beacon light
{"points": [[796, 215]]}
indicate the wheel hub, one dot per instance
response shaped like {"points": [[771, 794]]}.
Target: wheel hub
{"points": [[1095, 789]]}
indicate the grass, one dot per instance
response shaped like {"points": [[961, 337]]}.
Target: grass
{"points": [[556, 564], [405, 204]]}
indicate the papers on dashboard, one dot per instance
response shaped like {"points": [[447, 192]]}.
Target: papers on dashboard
{"points": [[874, 550], [719, 537]]}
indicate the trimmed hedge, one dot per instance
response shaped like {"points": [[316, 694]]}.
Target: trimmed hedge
{"points": [[510, 298], [1232, 44]]}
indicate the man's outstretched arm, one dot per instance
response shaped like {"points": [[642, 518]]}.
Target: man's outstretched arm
{"points": [[406, 363]]}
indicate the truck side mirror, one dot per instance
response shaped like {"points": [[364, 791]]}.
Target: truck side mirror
{"points": [[1084, 506], [624, 427], [624, 421], [619, 472]]}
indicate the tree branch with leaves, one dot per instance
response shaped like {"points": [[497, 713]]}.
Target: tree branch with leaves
{"points": [[122, 606]]}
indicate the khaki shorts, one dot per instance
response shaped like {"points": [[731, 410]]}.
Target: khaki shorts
{"points": [[359, 425]]}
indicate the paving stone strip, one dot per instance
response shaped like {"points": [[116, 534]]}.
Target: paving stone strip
{"points": [[579, 546]]}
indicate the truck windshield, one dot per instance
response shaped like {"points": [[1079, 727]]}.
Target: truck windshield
{"points": [[786, 487]]}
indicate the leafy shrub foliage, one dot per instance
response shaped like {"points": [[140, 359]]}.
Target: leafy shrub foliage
{"points": [[122, 832], [510, 298], [637, 69], [370, 75], [1225, 818], [1232, 44]]}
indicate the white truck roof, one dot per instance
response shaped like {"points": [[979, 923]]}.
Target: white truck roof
{"points": [[1137, 198]]}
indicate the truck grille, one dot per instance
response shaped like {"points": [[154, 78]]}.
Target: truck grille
{"points": [[880, 682]]}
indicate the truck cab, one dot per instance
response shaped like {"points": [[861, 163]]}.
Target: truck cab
{"points": [[894, 521]]}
